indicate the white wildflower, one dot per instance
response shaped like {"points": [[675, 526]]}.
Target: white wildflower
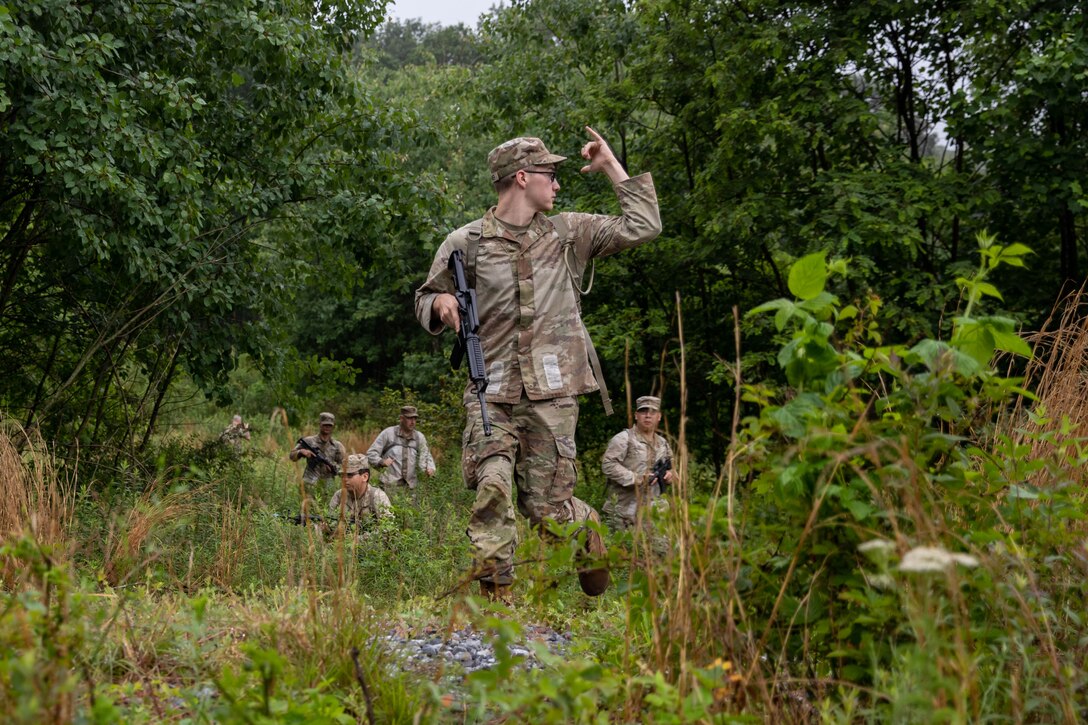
{"points": [[933, 558], [876, 545]]}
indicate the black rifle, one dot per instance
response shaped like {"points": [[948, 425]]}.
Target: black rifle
{"points": [[468, 338], [660, 469], [333, 468], [299, 519]]}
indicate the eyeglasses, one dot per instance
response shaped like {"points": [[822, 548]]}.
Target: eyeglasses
{"points": [[550, 174]]}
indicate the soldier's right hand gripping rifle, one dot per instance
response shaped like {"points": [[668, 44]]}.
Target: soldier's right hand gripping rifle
{"points": [[333, 468], [468, 338], [661, 468]]}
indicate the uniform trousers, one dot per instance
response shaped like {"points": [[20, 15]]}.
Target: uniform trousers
{"points": [[528, 458]]}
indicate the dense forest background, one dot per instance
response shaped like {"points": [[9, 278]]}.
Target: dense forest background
{"points": [[237, 200], [878, 412]]}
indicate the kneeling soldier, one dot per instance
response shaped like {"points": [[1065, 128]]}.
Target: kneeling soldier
{"points": [[362, 501]]}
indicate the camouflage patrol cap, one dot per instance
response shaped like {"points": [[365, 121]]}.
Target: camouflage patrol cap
{"points": [[409, 411], [357, 462], [519, 153], [327, 418], [648, 401]]}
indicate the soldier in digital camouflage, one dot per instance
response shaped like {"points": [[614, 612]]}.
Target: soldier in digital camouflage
{"points": [[235, 433], [361, 501], [317, 476], [401, 450], [628, 465], [527, 269]]}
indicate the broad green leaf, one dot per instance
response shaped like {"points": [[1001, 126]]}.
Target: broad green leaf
{"points": [[808, 275], [988, 289], [1011, 342], [768, 306]]}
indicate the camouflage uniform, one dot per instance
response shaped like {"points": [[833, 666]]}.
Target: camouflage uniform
{"points": [[408, 451], [627, 462], [360, 506], [372, 503], [331, 449], [234, 434], [536, 351]]}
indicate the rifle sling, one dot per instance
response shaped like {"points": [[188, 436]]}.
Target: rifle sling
{"points": [[472, 246]]}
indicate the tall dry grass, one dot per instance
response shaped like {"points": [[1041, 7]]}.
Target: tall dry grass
{"points": [[231, 550], [691, 587], [152, 513], [36, 495], [1058, 374]]}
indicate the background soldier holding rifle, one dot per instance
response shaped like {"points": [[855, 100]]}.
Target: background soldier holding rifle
{"points": [[324, 455], [635, 465], [526, 268], [402, 450]]}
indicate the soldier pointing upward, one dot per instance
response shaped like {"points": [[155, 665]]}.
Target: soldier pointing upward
{"points": [[527, 269]]}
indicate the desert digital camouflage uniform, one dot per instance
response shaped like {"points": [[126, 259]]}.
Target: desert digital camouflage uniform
{"points": [[235, 433], [409, 452], [372, 503], [527, 285], [626, 463], [332, 449]]}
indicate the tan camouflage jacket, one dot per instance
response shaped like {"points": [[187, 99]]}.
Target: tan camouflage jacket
{"points": [[625, 463], [234, 435], [530, 312], [374, 502], [331, 449], [409, 453]]}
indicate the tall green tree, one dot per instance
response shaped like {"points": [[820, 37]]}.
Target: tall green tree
{"points": [[171, 176], [1025, 111]]}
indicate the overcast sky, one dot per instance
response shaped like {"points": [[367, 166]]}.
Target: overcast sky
{"points": [[447, 12]]}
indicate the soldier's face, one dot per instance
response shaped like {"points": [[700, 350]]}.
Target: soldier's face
{"points": [[541, 187], [358, 483], [326, 430], [407, 423], [647, 419]]}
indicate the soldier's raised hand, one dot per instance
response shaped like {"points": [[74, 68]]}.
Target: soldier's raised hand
{"points": [[601, 158]]}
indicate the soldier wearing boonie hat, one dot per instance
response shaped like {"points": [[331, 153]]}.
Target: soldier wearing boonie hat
{"points": [[403, 451], [628, 465], [317, 476], [526, 268], [360, 499]]}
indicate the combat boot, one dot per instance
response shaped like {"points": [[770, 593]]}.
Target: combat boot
{"points": [[497, 592], [593, 562]]}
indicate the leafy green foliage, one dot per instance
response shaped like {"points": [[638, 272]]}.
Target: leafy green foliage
{"points": [[174, 175]]}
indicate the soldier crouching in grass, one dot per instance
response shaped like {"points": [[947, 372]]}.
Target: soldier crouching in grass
{"points": [[235, 433], [526, 268], [360, 501]]}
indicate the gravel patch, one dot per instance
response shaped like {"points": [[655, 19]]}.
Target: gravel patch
{"points": [[469, 649]]}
